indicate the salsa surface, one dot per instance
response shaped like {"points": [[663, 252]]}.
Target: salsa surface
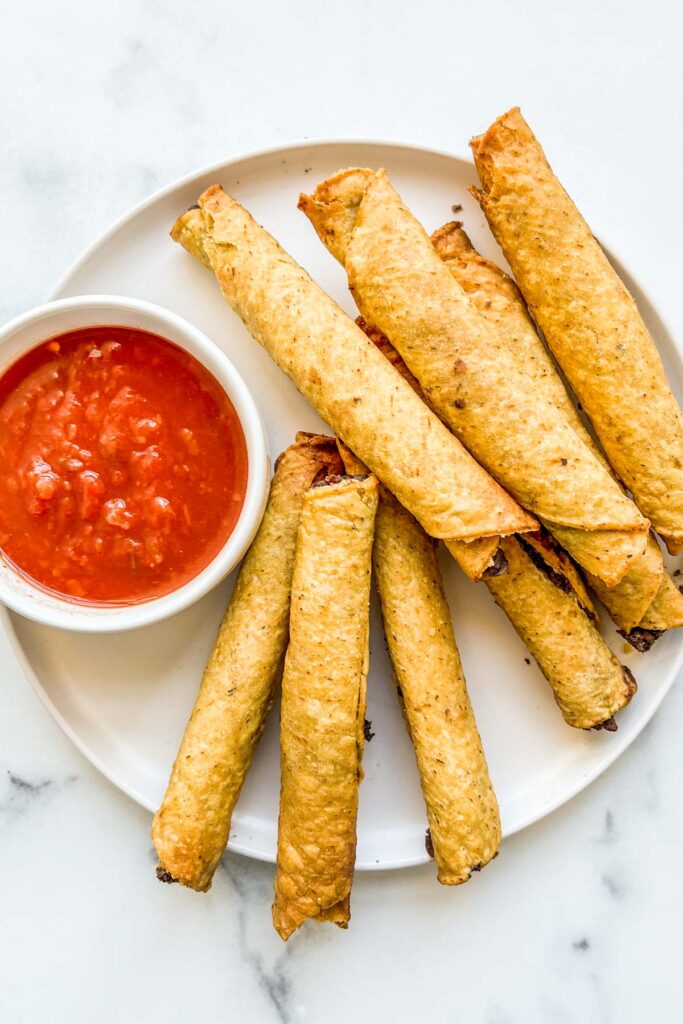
{"points": [[123, 466]]}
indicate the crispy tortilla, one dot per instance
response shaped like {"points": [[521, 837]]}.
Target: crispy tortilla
{"points": [[462, 810], [323, 704], [589, 684], [589, 320]]}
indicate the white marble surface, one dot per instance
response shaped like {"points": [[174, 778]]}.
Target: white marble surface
{"points": [[577, 920]]}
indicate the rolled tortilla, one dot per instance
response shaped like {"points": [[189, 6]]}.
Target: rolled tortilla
{"points": [[344, 378], [323, 705], [589, 684], [469, 374], [462, 811], [548, 605], [589, 320], [192, 826], [646, 594]]}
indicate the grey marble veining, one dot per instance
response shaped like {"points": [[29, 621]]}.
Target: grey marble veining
{"points": [[578, 920]]}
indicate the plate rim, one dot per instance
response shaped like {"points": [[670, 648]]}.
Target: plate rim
{"points": [[610, 752]]}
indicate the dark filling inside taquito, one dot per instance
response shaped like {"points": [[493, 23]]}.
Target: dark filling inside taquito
{"points": [[555, 577], [498, 566], [641, 639]]}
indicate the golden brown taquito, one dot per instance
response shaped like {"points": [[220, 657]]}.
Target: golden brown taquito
{"points": [[344, 378], [551, 610], [589, 683], [469, 374], [496, 296], [192, 826], [589, 319], [323, 704], [462, 811]]}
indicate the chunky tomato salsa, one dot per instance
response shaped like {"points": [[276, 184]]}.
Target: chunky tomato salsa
{"points": [[123, 465]]}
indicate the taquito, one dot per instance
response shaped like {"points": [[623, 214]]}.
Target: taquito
{"points": [[589, 683], [646, 594], [323, 704], [462, 811], [590, 321], [344, 377], [469, 374], [192, 826], [549, 607]]}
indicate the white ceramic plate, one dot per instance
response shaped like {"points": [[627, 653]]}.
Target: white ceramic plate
{"points": [[124, 699]]}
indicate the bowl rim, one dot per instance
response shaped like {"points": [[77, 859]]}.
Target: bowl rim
{"points": [[53, 610]]}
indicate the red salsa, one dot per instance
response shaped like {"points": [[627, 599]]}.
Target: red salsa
{"points": [[123, 465]]}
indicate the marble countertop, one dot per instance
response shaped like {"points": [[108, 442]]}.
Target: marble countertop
{"points": [[577, 920]]}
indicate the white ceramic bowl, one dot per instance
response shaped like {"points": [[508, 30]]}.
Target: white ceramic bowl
{"points": [[27, 331]]}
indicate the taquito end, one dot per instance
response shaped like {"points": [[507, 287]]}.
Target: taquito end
{"points": [[451, 241], [165, 876], [642, 640], [332, 208], [189, 231]]}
